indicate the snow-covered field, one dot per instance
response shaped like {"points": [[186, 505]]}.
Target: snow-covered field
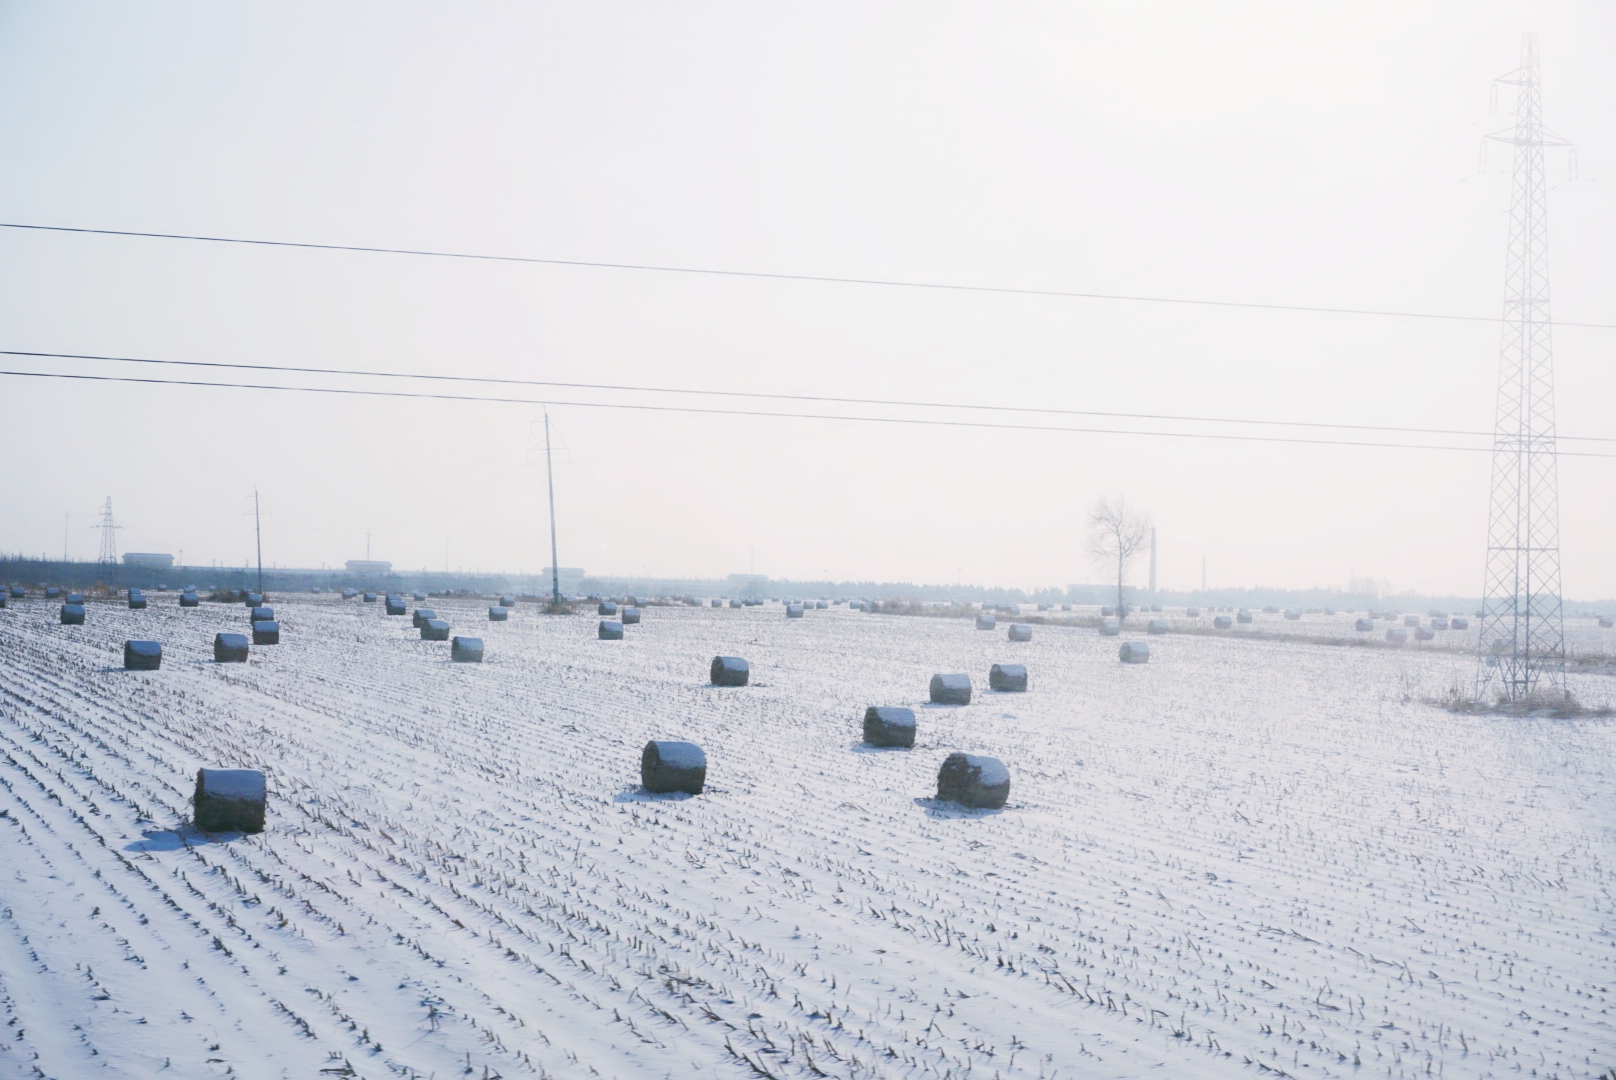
{"points": [[1242, 858]]}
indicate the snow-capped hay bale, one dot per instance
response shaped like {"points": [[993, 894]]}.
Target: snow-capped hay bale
{"points": [[395, 605], [609, 630], [230, 648], [793, 611], [466, 650], [1293, 614], [1459, 622], [498, 614], [1424, 633], [1411, 621], [422, 614], [263, 613], [416, 596], [1364, 624], [985, 621], [253, 599], [190, 599], [18, 592], [267, 632], [73, 598], [142, 655], [951, 689], [1604, 622], [435, 630], [606, 607], [137, 600], [349, 594], [1134, 652], [1019, 632], [734, 604], [72, 615], [631, 616], [52, 592], [974, 781], [1397, 635], [1242, 616], [889, 725], [1192, 613], [507, 600], [1439, 624], [730, 671], [229, 800], [370, 598], [715, 603], [820, 605], [1156, 626], [1009, 678], [1222, 622], [667, 766], [1110, 627]]}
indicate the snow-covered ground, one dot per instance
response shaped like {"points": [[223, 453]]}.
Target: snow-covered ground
{"points": [[1242, 858]]}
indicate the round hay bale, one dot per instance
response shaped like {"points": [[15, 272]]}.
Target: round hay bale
{"points": [[266, 633], [262, 613], [985, 621], [973, 781], [1134, 652], [229, 800], [370, 598], [418, 597], [137, 600], [507, 600], [73, 598], [422, 614], [230, 648], [498, 614], [1110, 627], [610, 630], [1020, 632], [1411, 621], [1424, 633], [716, 603], [793, 611], [395, 605], [1107, 612], [1364, 624], [1293, 614], [730, 671], [667, 766], [72, 614], [631, 616], [466, 650], [951, 689], [349, 594], [1009, 678], [1439, 624], [820, 605], [734, 604], [18, 592], [253, 599], [1156, 626], [1459, 622], [1222, 622], [606, 607], [889, 725], [1242, 616], [142, 655], [1192, 613], [52, 592], [1397, 635], [435, 630]]}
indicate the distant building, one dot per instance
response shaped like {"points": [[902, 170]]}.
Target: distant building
{"points": [[147, 560], [369, 566], [572, 578]]}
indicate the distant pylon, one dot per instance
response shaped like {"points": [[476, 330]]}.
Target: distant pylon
{"points": [[1522, 631], [109, 535]]}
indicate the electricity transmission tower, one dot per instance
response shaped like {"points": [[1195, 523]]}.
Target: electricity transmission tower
{"points": [[1522, 632], [109, 536]]}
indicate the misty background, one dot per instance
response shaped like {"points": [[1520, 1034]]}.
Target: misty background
{"points": [[1270, 152]]}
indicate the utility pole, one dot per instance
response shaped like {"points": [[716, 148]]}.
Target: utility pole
{"points": [[1522, 643], [258, 534], [555, 562], [1153, 562]]}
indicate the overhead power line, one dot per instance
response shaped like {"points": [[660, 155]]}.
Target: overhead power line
{"points": [[820, 278], [825, 399], [904, 420]]}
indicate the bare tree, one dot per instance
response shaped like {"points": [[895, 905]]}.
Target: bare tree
{"points": [[1116, 533]]}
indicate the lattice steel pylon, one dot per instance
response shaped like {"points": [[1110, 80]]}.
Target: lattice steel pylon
{"points": [[109, 536], [1522, 650]]}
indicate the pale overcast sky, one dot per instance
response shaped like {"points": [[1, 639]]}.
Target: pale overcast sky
{"points": [[1324, 154]]}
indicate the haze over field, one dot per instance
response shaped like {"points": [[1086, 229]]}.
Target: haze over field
{"points": [[1245, 151]]}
